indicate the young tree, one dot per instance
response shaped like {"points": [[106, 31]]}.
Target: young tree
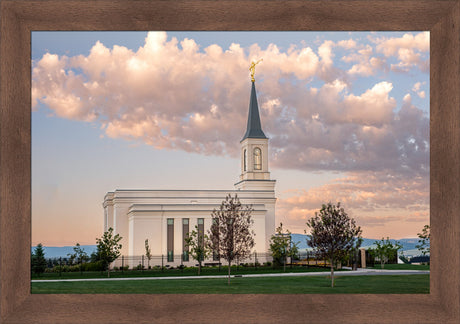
{"points": [[231, 236], [332, 234], [282, 247], [354, 253], [79, 254], [424, 242], [38, 260], [148, 253], [108, 248], [385, 250], [199, 246]]}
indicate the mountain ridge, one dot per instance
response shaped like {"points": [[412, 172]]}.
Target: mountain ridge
{"points": [[408, 244]]}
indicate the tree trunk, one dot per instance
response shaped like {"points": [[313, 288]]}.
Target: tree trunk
{"points": [[229, 264], [381, 264], [332, 273], [108, 271], [199, 267]]}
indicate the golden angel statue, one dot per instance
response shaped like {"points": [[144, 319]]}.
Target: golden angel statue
{"points": [[252, 68]]}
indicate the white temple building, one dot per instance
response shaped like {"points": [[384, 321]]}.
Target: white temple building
{"points": [[164, 217]]}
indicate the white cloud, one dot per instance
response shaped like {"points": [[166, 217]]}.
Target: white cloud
{"points": [[174, 95], [347, 44], [374, 199], [416, 89], [367, 63], [410, 50]]}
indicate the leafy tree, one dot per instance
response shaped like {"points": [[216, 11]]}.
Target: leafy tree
{"points": [[38, 260], [282, 247], [79, 255], [355, 252], [332, 234], [353, 257], [108, 248], [94, 257], [148, 253], [231, 236], [424, 242], [199, 246], [385, 250]]}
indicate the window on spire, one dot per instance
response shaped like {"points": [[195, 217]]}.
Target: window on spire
{"points": [[257, 159], [244, 160]]}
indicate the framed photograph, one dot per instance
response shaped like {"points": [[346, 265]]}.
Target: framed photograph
{"points": [[19, 19]]}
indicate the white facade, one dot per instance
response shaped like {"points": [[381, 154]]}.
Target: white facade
{"points": [[138, 215]]}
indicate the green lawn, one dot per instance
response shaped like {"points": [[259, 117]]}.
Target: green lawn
{"points": [[175, 272], [388, 284], [402, 267]]}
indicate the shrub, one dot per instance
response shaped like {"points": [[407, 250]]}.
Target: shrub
{"points": [[93, 266]]}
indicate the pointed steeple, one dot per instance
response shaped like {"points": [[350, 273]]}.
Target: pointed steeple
{"points": [[254, 129]]}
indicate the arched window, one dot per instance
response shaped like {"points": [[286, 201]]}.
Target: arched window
{"points": [[257, 159], [244, 160]]}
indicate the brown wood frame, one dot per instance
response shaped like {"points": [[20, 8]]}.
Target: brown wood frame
{"points": [[19, 18]]}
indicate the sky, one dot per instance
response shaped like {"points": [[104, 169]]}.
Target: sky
{"points": [[347, 115]]}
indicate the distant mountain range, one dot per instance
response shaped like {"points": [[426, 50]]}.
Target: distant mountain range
{"points": [[407, 243], [52, 252]]}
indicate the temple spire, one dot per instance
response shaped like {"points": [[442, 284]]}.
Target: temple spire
{"points": [[254, 129]]}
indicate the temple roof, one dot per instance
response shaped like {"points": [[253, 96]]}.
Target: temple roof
{"points": [[254, 129]]}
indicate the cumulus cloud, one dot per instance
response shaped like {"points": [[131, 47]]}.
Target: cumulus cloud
{"points": [[411, 51], [417, 90], [174, 94], [367, 63], [374, 199]]}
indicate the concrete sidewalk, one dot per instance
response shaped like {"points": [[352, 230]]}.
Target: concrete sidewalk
{"points": [[360, 272]]}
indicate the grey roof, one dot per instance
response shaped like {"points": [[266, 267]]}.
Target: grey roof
{"points": [[254, 129]]}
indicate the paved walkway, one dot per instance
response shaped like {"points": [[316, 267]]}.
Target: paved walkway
{"points": [[359, 272]]}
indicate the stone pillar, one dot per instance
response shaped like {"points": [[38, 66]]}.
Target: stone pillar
{"points": [[363, 257]]}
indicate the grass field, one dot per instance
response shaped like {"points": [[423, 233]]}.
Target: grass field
{"points": [[174, 272], [205, 271], [388, 284], [402, 267]]}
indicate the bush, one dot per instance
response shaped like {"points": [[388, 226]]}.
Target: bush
{"points": [[93, 266]]}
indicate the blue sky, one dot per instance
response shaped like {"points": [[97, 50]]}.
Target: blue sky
{"points": [[347, 115]]}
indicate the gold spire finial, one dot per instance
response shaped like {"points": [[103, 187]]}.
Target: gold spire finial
{"points": [[252, 68]]}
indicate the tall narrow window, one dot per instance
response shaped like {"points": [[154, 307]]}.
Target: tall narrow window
{"points": [[257, 159], [215, 251], [170, 239], [201, 231], [185, 233], [244, 160]]}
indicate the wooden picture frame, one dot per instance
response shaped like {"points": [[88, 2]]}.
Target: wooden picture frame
{"points": [[19, 18]]}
